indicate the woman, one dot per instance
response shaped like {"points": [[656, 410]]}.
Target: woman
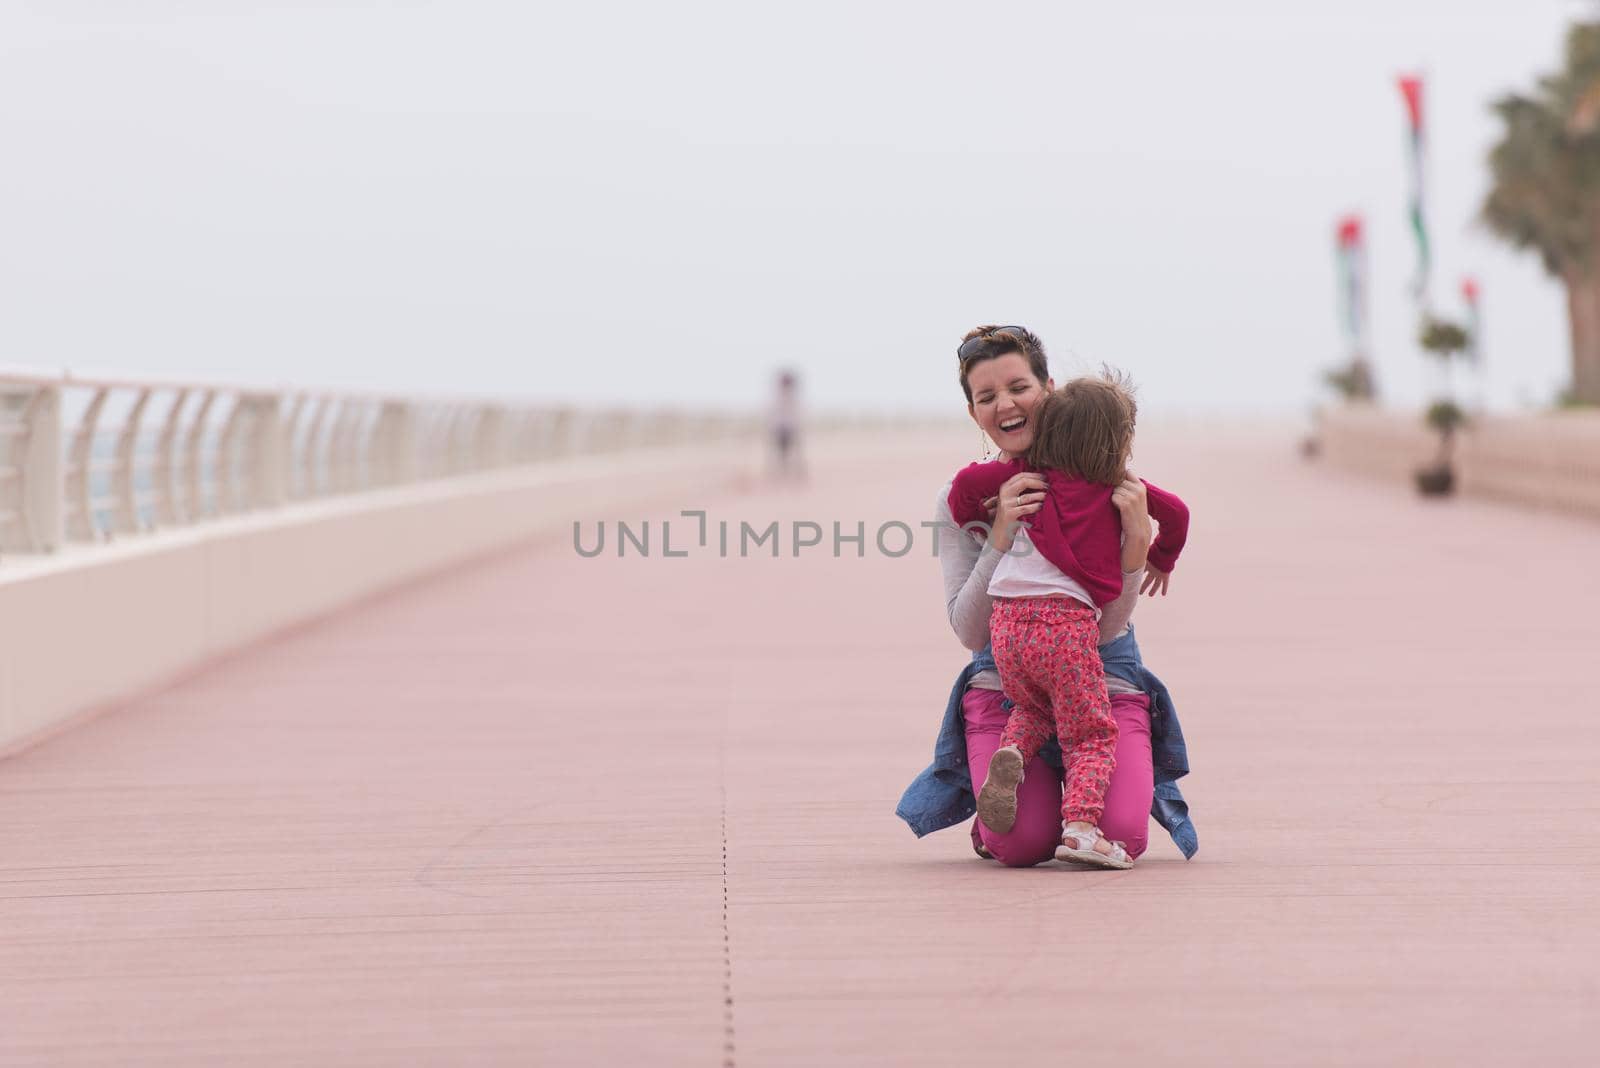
{"points": [[1004, 375]]}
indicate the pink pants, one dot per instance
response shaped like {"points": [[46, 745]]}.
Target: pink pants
{"points": [[1045, 650], [1037, 832]]}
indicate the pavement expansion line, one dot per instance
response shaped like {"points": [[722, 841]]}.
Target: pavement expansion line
{"points": [[727, 940]]}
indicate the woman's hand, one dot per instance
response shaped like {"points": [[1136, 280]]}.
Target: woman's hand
{"points": [[1155, 581], [1020, 496], [1134, 507]]}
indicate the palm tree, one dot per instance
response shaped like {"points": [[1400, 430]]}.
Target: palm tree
{"points": [[1546, 191]]}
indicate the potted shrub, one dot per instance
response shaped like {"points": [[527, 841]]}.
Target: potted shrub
{"points": [[1439, 478], [1444, 340]]}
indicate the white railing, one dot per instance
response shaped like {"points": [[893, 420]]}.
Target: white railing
{"points": [[87, 459]]}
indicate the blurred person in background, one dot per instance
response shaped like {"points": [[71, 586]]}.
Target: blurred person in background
{"points": [[784, 429]]}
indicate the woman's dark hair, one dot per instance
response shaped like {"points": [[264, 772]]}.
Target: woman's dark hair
{"points": [[1001, 341]]}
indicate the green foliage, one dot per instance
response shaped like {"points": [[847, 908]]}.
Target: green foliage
{"points": [[1444, 416], [1545, 190], [1353, 381], [1443, 338]]}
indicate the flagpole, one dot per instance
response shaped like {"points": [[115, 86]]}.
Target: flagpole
{"points": [[1412, 91], [1350, 247], [1470, 294]]}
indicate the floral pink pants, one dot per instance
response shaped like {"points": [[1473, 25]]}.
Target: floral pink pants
{"points": [[1045, 648], [1038, 829]]}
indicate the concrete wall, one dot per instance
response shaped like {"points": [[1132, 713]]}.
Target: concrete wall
{"points": [[1550, 460], [1372, 441], [87, 625]]}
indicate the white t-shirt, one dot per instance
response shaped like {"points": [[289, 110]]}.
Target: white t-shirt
{"points": [[1024, 572]]}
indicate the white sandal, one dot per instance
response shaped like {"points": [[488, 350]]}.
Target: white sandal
{"points": [[997, 801], [1078, 847]]}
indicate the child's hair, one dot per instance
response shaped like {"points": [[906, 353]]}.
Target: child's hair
{"points": [[1085, 428]]}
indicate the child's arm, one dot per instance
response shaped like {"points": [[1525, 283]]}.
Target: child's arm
{"points": [[975, 484], [1173, 515]]}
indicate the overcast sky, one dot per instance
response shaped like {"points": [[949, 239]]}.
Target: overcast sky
{"points": [[662, 202]]}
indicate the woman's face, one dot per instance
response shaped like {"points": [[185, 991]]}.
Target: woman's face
{"points": [[1004, 394]]}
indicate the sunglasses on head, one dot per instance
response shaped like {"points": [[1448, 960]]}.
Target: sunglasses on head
{"points": [[972, 346]]}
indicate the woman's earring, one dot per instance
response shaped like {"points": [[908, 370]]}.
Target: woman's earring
{"points": [[984, 444]]}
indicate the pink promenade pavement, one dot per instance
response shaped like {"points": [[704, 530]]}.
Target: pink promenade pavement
{"points": [[548, 810]]}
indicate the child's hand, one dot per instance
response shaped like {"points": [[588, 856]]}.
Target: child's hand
{"points": [[1133, 503], [1155, 581]]}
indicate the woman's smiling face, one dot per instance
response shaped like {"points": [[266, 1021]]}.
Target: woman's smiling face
{"points": [[1004, 394]]}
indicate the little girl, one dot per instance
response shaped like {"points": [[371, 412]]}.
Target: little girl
{"points": [[1048, 592]]}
